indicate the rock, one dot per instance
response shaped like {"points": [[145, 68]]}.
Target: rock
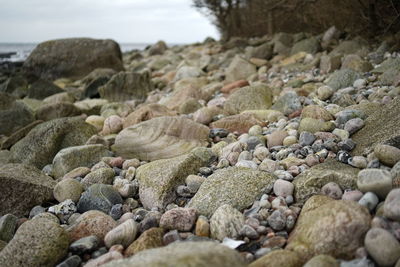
{"points": [[123, 234], [38, 242], [77, 172], [159, 179], [332, 190], [330, 63], [158, 48], [13, 114], [277, 220], [206, 115], [278, 257], [41, 89], [306, 138], [8, 225], [147, 112], [85, 245], [206, 254], [316, 112], [92, 222], [44, 141], [234, 85], [239, 69], [68, 189], [73, 261], [59, 58], [240, 123], [322, 261], [94, 80], [311, 181], [343, 78], [202, 226], [276, 138], [112, 125], [288, 103], [96, 121], [283, 188], [18, 135], [104, 258], [70, 158], [353, 125], [356, 46], [23, 187], [390, 63], [375, 180], [185, 72], [99, 197], [99, 176], [314, 125], [237, 187], [226, 222], [181, 219], [310, 46], [392, 205], [381, 127], [91, 106], [369, 200], [263, 51], [48, 112], [382, 246], [258, 96], [160, 138], [388, 155], [151, 238], [315, 233], [127, 86]]}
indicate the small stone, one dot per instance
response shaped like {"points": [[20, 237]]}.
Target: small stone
{"points": [[289, 140], [8, 225], [84, 245], [324, 92], [99, 176], [382, 246], [205, 171], [171, 237], [248, 231], [193, 182], [388, 155], [354, 125], [202, 226], [275, 242], [369, 200], [99, 197], [130, 163], [112, 125], [261, 153], [358, 162], [283, 188], [343, 156], [116, 211], [277, 220], [130, 173], [73, 261], [77, 172], [322, 261], [247, 164], [347, 145], [375, 180], [151, 238], [226, 222], [269, 165], [353, 195], [181, 219], [64, 210], [68, 189], [276, 138], [124, 234], [255, 130], [342, 134], [332, 190], [392, 205], [103, 259]]}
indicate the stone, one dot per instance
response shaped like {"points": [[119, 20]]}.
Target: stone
{"points": [[283, 188], [73, 261], [42, 143], [369, 200], [38, 242], [388, 155], [309, 45], [316, 112], [343, 78], [68, 189], [185, 72], [356, 63], [23, 187], [277, 220], [159, 179], [257, 96], [41, 89], [98, 176], [392, 205], [92, 222], [382, 246], [263, 51], [314, 125], [234, 85], [158, 48], [160, 138], [202, 226], [353, 125], [377, 181], [276, 138], [127, 86], [306, 138], [8, 225], [58, 58], [330, 63], [315, 233], [239, 69], [381, 127], [288, 103], [181, 219], [73, 157], [48, 112], [240, 123], [226, 222], [94, 80], [124, 234], [322, 261], [207, 254], [85, 244], [77, 172], [238, 187], [311, 181], [104, 258], [194, 182], [99, 197], [332, 190], [151, 238], [13, 114], [147, 112], [279, 257]]}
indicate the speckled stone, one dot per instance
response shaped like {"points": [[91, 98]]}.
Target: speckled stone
{"points": [[99, 176], [151, 238], [375, 180], [68, 189], [332, 190], [8, 225], [388, 155], [226, 222], [283, 188], [99, 197], [392, 205], [181, 219], [382, 246]]}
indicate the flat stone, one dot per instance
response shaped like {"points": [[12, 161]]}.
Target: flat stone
{"points": [[226, 222], [85, 245], [240, 123], [99, 197], [147, 112], [151, 238], [124, 234]]}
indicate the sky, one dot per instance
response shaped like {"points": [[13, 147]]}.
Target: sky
{"points": [[126, 21]]}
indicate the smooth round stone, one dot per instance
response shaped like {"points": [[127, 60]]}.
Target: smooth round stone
{"points": [[375, 180], [358, 162], [312, 160], [96, 120], [382, 246], [324, 92], [289, 140], [253, 141], [283, 188], [249, 232], [276, 138], [205, 171], [261, 153], [354, 125], [332, 190], [35, 211], [193, 182], [245, 155], [8, 225], [84, 245], [124, 234], [48, 216], [281, 174], [116, 211], [342, 134], [388, 155], [306, 138], [353, 195], [181, 219], [99, 197], [269, 165], [392, 205], [369, 200], [112, 125], [359, 83], [68, 189], [395, 171], [277, 220], [73, 261], [103, 175], [247, 164], [255, 130]]}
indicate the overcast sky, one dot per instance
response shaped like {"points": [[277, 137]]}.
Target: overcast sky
{"points": [[174, 21]]}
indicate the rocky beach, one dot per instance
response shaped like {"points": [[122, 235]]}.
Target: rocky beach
{"points": [[281, 150]]}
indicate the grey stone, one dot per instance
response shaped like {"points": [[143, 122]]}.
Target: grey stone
{"points": [[369, 200], [392, 205], [99, 176], [343, 78], [288, 103], [41, 89], [8, 225], [239, 69], [99, 197], [85, 244], [277, 220], [375, 180], [382, 246], [310, 46], [73, 261], [13, 114], [306, 138]]}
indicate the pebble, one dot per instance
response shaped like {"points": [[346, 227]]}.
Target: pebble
{"points": [[275, 242], [249, 232], [183, 191], [247, 164], [332, 190], [324, 92], [276, 138], [226, 222], [255, 130], [388, 155], [181, 219], [171, 237], [312, 160], [358, 162], [392, 205], [124, 234], [99, 197], [193, 182], [269, 165], [116, 211], [353, 195], [73, 261], [64, 210], [289, 140], [202, 226], [283, 188], [35, 211], [277, 220], [382, 246], [68, 189], [261, 153], [281, 174], [130, 173], [353, 125], [369, 200], [8, 225], [103, 259], [306, 138], [375, 180], [342, 134], [84, 245]]}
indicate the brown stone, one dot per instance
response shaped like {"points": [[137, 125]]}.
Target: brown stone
{"points": [[240, 123], [152, 238], [234, 85], [147, 112]]}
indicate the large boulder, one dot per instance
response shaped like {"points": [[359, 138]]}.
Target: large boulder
{"points": [[381, 127], [209, 254], [39, 147], [159, 179], [73, 58], [22, 187], [160, 138], [13, 114], [332, 227], [238, 187], [38, 242], [311, 181]]}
